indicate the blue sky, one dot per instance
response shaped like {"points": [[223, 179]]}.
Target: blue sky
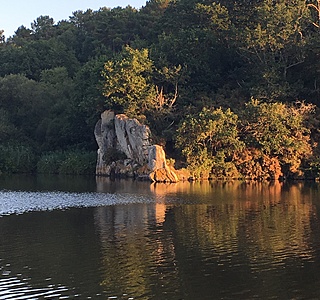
{"points": [[15, 13]]}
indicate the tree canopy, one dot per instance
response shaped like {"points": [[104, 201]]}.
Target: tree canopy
{"points": [[187, 68]]}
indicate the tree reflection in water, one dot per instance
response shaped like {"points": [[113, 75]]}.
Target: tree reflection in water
{"points": [[208, 238]]}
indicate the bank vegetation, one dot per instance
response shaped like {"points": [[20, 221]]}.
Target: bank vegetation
{"points": [[231, 89]]}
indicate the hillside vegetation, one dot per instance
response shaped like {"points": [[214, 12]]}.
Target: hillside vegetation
{"points": [[229, 88]]}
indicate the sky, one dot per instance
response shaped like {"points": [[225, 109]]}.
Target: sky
{"points": [[15, 13]]}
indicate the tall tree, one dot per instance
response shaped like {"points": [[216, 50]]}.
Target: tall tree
{"points": [[128, 86], [43, 27], [273, 41]]}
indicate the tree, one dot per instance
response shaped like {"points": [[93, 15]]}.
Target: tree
{"points": [[43, 27], [196, 35], [88, 89], [2, 37], [128, 86], [22, 35], [64, 125], [7, 129], [273, 38], [209, 139], [278, 130], [26, 103]]}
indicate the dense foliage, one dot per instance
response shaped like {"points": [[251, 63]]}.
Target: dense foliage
{"points": [[231, 88]]}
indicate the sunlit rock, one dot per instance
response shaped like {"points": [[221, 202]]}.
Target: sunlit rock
{"points": [[160, 172], [133, 138], [156, 158], [125, 150]]}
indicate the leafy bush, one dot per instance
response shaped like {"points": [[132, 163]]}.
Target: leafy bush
{"points": [[222, 169], [209, 139], [312, 169], [279, 131], [78, 162], [67, 162], [15, 158], [49, 163]]}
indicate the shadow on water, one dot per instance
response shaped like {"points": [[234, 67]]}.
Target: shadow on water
{"points": [[51, 254], [64, 183]]}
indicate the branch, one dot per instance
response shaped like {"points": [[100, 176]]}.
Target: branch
{"points": [[172, 101], [163, 101]]}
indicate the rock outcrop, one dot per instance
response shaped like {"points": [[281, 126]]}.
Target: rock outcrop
{"points": [[105, 136], [125, 150], [133, 139], [160, 171]]}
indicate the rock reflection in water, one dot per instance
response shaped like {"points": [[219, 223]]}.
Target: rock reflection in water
{"points": [[138, 250]]}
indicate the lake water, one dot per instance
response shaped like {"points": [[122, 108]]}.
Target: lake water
{"points": [[88, 238]]}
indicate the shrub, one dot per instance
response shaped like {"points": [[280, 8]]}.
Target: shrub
{"points": [[78, 162], [278, 131], [49, 163], [15, 158], [67, 162], [209, 140]]}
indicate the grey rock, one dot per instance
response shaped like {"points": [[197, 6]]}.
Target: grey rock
{"points": [[118, 132], [133, 138]]}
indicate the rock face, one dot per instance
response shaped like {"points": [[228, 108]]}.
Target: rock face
{"points": [[133, 139], [156, 158], [105, 137], [160, 172], [118, 136]]}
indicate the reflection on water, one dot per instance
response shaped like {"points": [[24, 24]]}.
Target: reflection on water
{"points": [[235, 240], [61, 183], [132, 240], [137, 245]]}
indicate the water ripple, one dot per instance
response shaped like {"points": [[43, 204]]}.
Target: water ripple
{"points": [[16, 289], [21, 202]]}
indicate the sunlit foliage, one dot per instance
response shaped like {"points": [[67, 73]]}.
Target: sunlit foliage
{"points": [[128, 87]]}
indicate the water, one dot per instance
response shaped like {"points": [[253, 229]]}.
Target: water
{"points": [[82, 238]]}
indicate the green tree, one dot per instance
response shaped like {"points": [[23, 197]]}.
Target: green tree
{"points": [[64, 126], [43, 27], [128, 83], [209, 140], [26, 103], [7, 129], [273, 41], [88, 89], [278, 130], [22, 35], [196, 35], [33, 57]]}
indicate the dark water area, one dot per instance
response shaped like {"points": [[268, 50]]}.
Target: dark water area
{"points": [[87, 238]]}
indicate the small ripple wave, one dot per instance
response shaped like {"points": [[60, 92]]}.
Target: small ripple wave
{"points": [[20, 202], [14, 288]]}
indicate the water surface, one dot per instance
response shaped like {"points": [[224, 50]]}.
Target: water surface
{"points": [[78, 237]]}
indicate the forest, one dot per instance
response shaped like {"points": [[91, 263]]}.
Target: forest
{"points": [[229, 88]]}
